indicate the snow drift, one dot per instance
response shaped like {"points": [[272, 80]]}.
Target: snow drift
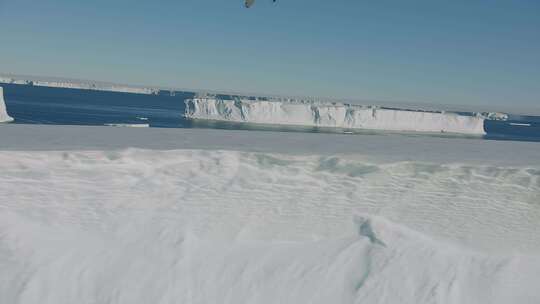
{"points": [[4, 117], [140, 226], [381, 263], [335, 115]]}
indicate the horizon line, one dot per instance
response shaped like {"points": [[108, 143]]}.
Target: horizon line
{"points": [[414, 104]]}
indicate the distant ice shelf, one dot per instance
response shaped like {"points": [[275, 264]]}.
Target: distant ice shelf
{"points": [[334, 115], [4, 117], [80, 85]]}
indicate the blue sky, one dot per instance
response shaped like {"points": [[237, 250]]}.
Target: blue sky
{"points": [[454, 52]]}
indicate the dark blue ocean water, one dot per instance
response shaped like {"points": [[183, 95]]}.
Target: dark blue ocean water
{"points": [[60, 106]]}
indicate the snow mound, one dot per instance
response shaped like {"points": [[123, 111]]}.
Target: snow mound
{"points": [[157, 264], [4, 117], [335, 115], [195, 226]]}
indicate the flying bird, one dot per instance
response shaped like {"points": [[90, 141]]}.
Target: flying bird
{"points": [[249, 3]]}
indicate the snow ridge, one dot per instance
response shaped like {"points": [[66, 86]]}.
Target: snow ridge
{"points": [[334, 115], [195, 226]]}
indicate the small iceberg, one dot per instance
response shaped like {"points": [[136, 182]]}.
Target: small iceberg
{"points": [[127, 125], [520, 124], [4, 117]]}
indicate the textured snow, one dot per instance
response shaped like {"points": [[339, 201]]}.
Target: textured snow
{"points": [[200, 226], [229, 217], [4, 117], [332, 115]]}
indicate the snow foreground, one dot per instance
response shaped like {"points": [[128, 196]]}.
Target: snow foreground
{"points": [[194, 226], [4, 117], [334, 115]]}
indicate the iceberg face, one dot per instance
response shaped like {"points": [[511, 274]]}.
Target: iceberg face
{"points": [[334, 115], [4, 117]]}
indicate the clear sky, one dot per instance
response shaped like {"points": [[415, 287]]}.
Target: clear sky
{"points": [[460, 51]]}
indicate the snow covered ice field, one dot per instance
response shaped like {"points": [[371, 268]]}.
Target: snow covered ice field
{"points": [[121, 215]]}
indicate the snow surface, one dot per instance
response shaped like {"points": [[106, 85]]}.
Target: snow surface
{"points": [[332, 115], [397, 220], [377, 147], [4, 117]]}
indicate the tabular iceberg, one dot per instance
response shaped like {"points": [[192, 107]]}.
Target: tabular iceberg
{"points": [[336, 115], [4, 117]]}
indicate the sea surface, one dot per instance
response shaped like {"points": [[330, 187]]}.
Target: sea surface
{"points": [[62, 106]]}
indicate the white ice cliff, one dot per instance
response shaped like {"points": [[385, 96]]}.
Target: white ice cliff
{"points": [[4, 117], [335, 115]]}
